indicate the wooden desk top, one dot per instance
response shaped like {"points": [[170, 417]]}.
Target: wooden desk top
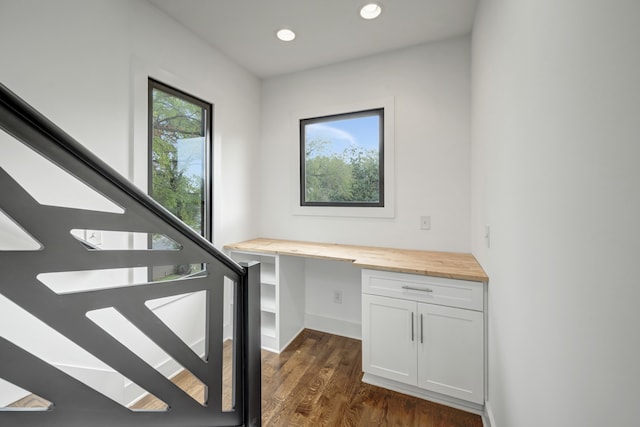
{"points": [[429, 263]]}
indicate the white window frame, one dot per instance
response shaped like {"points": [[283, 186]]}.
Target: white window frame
{"points": [[386, 211]]}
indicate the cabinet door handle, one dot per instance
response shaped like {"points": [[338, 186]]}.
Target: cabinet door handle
{"points": [[417, 289], [412, 334], [421, 329]]}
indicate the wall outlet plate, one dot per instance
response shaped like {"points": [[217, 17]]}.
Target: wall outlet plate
{"points": [[425, 223], [94, 237], [337, 297]]}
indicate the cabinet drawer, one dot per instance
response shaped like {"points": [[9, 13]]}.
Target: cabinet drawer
{"points": [[434, 290]]}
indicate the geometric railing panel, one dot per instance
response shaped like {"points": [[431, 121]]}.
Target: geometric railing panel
{"points": [[107, 240], [28, 168], [14, 238], [195, 303], [116, 325], [115, 206], [69, 282], [31, 334], [31, 402]]}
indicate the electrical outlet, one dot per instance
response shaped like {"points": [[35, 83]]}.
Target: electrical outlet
{"points": [[425, 223], [337, 297]]}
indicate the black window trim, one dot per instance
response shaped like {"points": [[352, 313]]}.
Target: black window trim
{"points": [[332, 117], [207, 223]]}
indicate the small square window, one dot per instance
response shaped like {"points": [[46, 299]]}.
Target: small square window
{"points": [[342, 160]]}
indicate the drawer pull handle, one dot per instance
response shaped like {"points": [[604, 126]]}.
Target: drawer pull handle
{"points": [[417, 289], [412, 334], [421, 330]]}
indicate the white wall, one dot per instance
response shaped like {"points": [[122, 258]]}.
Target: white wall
{"points": [[77, 61], [430, 85], [556, 90], [322, 279], [83, 63]]}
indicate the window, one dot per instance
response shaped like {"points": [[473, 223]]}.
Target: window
{"points": [[180, 161], [342, 160]]}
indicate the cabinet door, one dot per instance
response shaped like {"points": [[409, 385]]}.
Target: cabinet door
{"points": [[389, 338], [451, 351]]}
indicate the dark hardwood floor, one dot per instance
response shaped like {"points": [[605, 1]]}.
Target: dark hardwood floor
{"points": [[316, 381]]}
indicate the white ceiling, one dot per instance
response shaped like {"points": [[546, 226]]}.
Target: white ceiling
{"points": [[328, 31]]}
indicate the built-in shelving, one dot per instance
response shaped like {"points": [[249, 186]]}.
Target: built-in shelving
{"points": [[268, 324], [278, 286], [424, 313], [268, 298], [268, 274]]}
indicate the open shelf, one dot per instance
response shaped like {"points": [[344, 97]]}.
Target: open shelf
{"points": [[268, 328], [268, 274], [281, 286], [268, 298]]}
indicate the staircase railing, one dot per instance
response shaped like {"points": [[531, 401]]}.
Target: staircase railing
{"points": [[74, 403]]}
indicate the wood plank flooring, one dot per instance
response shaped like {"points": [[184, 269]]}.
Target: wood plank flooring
{"points": [[194, 388], [316, 381]]}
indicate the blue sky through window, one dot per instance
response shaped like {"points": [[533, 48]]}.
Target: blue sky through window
{"points": [[359, 131]]}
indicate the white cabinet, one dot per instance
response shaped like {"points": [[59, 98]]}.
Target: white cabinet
{"points": [[424, 333], [281, 297], [450, 352], [388, 341]]}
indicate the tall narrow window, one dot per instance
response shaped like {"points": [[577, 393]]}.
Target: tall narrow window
{"points": [[180, 162]]}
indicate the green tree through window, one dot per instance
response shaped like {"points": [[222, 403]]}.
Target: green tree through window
{"points": [[179, 164], [342, 160]]}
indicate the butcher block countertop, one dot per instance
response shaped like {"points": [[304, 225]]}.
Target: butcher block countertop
{"points": [[429, 263]]}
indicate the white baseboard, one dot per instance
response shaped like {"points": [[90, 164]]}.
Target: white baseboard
{"points": [[105, 381], [169, 368], [227, 331], [488, 415], [285, 345], [334, 326], [423, 394]]}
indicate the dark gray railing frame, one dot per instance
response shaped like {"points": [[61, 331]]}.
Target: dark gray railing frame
{"points": [[28, 126]]}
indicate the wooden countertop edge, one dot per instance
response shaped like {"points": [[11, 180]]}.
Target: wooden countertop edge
{"points": [[236, 247], [319, 251]]}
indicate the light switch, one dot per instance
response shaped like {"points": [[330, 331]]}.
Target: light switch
{"points": [[487, 235]]}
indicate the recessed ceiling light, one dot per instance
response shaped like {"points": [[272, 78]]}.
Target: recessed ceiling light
{"points": [[286, 35], [370, 11]]}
